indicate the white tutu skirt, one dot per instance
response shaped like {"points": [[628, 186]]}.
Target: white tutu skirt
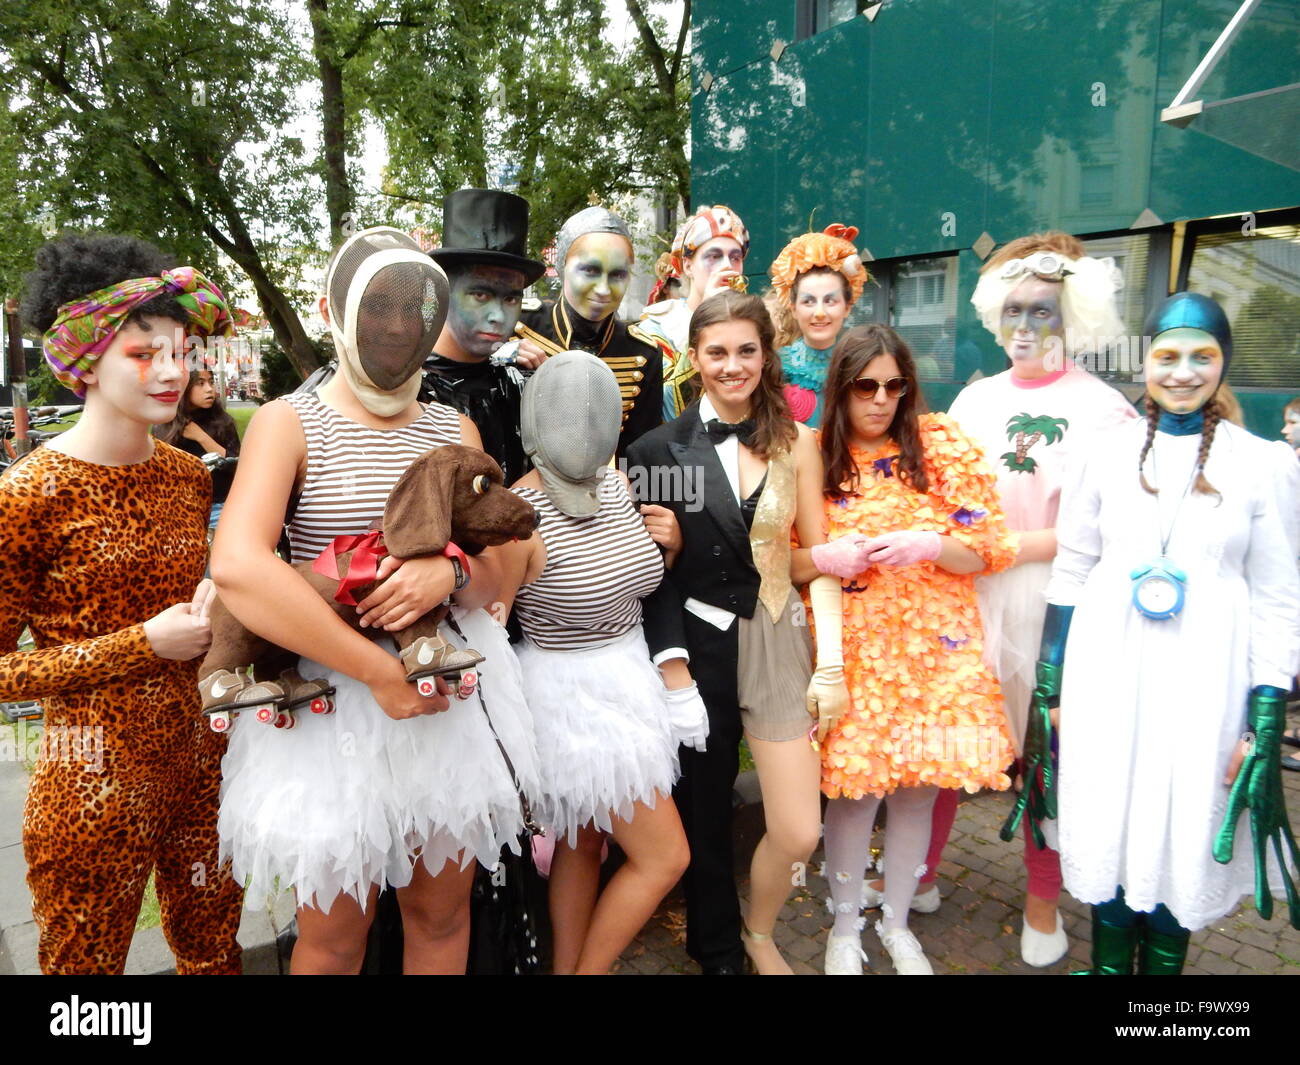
{"points": [[603, 737], [1013, 604], [347, 800]]}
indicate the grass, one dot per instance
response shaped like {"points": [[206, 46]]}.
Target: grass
{"points": [[242, 416]]}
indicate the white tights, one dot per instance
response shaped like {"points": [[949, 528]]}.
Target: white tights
{"points": [[848, 847]]}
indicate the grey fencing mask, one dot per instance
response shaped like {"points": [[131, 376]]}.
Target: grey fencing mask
{"points": [[571, 417], [387, 303]]}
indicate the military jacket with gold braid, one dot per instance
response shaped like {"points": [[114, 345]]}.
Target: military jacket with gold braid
{"points": [[637, 365]]}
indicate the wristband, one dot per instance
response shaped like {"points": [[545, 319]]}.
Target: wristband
{"points": [[459, 564]]}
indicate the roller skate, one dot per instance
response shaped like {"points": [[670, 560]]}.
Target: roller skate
{"points": [[300, 692], [226, 693], [431, 657]]}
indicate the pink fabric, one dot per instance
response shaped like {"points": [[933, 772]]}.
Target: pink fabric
{"points": [[1040, 382], [1051, 421], [1043, 867]]}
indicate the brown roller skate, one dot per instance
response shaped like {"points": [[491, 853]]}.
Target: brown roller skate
{"points": [[430, 657], [226, 693]]}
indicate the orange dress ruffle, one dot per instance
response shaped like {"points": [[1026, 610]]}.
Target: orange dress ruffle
{"points": [[924, 708]]}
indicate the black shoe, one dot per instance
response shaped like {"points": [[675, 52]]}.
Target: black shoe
{"points": [[1292, 764], [729, 967]]}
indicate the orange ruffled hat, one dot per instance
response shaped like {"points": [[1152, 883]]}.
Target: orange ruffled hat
{"points": [[833, 248]]}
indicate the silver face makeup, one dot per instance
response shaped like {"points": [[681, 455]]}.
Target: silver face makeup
{"points": [[596, 274], [1031, 316], [485, 305]]}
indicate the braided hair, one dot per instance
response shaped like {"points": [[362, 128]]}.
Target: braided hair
{"points": [[1211, 415]]}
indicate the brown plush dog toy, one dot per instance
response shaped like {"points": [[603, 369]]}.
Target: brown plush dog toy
{"points": [[452, 494]]}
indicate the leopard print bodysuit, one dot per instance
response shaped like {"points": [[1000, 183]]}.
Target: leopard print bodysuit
{"points": [[87, 554]]}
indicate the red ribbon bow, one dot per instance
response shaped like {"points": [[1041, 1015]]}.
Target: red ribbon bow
{"points": [[367, 549]]}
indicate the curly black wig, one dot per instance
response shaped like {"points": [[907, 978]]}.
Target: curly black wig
{"points": [[75, 265]]}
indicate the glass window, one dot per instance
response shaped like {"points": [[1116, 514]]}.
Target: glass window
{"points": [[925, 313], [1255, 277], [814, 16], [1122, 360], [1096, 185]]}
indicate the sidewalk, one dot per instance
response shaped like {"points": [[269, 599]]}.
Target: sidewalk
{"points": [[977, 929]]}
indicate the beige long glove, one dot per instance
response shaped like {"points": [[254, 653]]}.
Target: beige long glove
{"points": [[828, 696]]}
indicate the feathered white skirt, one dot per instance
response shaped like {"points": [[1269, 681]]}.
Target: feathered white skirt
{"points": [[347, 800], [603, 737]]}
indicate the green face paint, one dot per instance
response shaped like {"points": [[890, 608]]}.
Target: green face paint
{"points": [[485, 303], [596, 274]]}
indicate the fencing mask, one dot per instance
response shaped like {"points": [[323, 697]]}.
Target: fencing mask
{"points": [[571, 417], [387, 303]]}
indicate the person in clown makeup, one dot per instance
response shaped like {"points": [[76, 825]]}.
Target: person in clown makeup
{"points": [[816, 280], [594, 256], [709, 254], [1171, 638], [1044, 299]]}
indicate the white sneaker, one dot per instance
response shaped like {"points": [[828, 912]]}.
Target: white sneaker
{"points": [[905, 952], [844, 956], [1041, 949], [926, 901]]}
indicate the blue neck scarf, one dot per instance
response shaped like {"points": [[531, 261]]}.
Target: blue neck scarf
{"points": [[1189, 424]]}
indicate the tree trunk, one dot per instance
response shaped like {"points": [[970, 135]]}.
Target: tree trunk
{"points": [[338, 192]]}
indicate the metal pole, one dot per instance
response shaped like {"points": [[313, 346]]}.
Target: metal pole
{"points": [[17, 377]]}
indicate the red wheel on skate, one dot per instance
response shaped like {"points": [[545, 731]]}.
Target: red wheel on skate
{"points": [[320, 705], [468, 682], [284, 720], [427, 687], [266, 714], [219, 722]]}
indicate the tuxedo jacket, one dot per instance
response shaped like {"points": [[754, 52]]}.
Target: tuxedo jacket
{"points": [[677, 466]]}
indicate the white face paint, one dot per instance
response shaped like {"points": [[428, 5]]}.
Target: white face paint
{"points": [[1183, 369]]}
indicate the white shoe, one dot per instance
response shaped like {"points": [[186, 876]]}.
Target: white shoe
{"points": [[926, 901], [905, 952], [1040, 949], [844, 955]]}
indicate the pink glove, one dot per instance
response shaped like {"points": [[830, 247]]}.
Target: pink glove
{"points": [[844, 557], [905, 547]]}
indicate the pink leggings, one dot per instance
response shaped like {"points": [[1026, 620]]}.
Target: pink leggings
{"points": [[1042, 866]]}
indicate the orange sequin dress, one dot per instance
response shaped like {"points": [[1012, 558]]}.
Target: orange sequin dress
{"points": [[925, 709]]}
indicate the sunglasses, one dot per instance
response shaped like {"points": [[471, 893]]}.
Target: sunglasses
{"points": [[867, 387]]}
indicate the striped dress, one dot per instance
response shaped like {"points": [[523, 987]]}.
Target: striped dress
{"points": [[597, 570], [351, 468], [604, 741], [346, 801]]}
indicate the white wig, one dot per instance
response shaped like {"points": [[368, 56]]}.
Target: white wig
{"points": [[1089, 296]]}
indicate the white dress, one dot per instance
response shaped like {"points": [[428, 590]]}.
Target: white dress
{"points": [[1152, 710]]}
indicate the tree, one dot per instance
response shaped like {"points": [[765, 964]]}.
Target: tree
{"points": [[164, 120], [667, 113]]}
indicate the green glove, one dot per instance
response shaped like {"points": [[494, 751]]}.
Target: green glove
{"points": [[1258, 788], [1039, 797]]}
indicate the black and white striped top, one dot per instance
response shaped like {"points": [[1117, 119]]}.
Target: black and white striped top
{"points": [[351, 468], [597, 570]]}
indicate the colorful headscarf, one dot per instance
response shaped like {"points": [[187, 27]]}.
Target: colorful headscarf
{"points": [[709, 223], [833, 248], [85, 327]]}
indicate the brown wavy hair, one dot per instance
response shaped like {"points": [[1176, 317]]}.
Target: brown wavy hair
{"points": [[853, 354], [774, 429], [1052, 240]]}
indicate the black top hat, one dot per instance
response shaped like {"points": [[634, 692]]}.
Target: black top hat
{"points": [[489, 227]]}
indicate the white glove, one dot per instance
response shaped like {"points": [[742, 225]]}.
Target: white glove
{"points": [[828, 695], [688, 717]]}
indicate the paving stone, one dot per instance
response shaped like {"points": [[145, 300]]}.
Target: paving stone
{"points": [[1253, 958]]}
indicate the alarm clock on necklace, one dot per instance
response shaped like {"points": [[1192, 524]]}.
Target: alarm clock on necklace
{"points": [[1160, 586]]}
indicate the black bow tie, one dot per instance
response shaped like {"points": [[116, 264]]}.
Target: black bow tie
{"points": [[718, 431]]}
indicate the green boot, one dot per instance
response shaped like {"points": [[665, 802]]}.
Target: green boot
{"points": [[1113, 947], [1162, 954]]}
